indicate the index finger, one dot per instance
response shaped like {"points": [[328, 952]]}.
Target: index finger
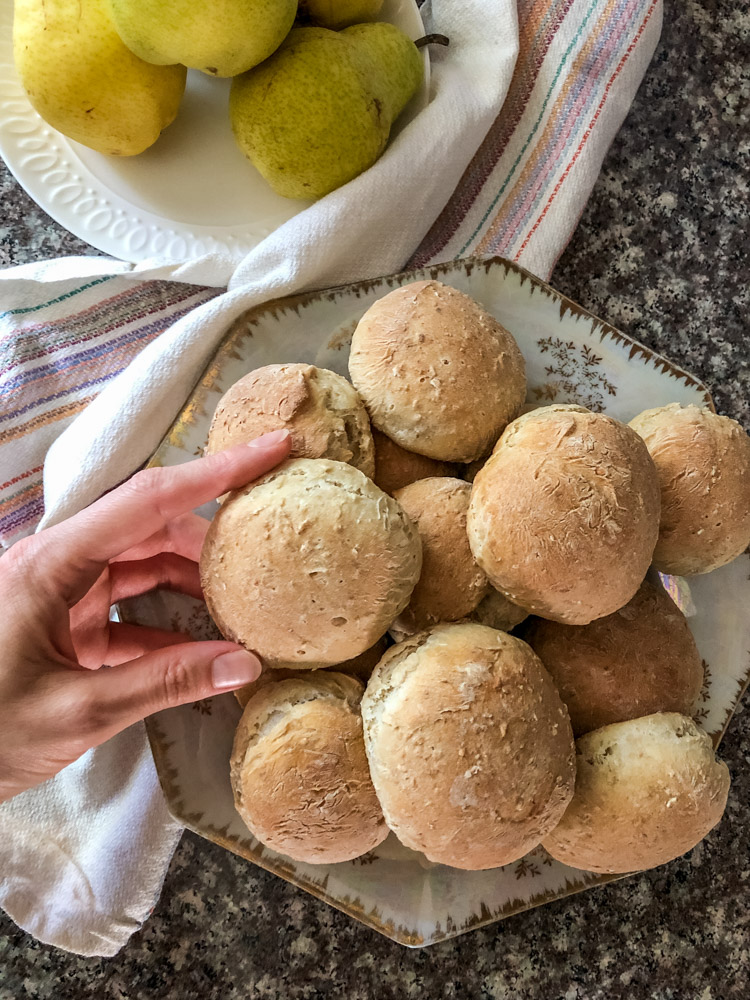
{"points": [[152, 498]]}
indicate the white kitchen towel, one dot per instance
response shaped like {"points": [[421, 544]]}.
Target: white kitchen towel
{"points": [[510, 169]]}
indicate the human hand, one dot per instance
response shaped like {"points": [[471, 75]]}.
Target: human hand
{"points": [[56, 589]]}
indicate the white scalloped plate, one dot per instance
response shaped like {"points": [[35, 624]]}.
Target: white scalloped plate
{"points": [[571, 357], [192, 193]]}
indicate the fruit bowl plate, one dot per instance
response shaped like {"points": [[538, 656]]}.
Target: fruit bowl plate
{"points": [[192, 193], [571, 356]]}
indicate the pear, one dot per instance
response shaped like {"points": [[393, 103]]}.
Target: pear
{"points": [[320, 110], [220, 37], [339, 13], [85, 82]]}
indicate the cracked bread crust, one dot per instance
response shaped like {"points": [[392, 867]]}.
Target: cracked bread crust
{"points": [[647, 790], [321, 410], [703, 464], [309, 565], [469, 744], [438, 374], [299, 772], [564, 516]]}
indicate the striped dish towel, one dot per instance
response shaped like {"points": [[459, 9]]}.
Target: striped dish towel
{"points": [[524, 104]]}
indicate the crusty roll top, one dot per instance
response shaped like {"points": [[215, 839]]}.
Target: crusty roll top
{"points": [[309, 565], [564, 516], [640, 660], [321, 410], [299, 772], [438, 374], [470, 747], [703, 464], [451, 583], [647, 791]]}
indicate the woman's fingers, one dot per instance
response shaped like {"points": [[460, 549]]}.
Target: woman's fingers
{"points": [[184, 536], [126, 642], [166, 571], [78, 547], [110, 700]]}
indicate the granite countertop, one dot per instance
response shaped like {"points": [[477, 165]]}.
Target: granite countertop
{"points": [[661, 252]]}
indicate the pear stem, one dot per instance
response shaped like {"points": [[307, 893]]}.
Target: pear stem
{"points": [[432, 40]]}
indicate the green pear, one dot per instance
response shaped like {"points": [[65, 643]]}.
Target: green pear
{"points": [[339, 13], [220, 37], [320, 110], [85, 82], [382, 45]]}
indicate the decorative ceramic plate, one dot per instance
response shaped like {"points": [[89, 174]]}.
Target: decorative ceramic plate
{"points": [[192, 193], [571, 357]]}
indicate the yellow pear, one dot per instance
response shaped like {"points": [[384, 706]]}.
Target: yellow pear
{"points": [[219, 37], [85, 82], [339, 13]]}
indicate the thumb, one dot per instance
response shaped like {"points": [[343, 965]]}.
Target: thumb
{"points": [[116, 697]]}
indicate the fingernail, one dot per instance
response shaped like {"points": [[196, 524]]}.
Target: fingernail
{"points": [[270, 439], [232, 670]]}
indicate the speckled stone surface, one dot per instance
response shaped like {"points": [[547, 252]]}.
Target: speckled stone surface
{"points": [[662, 252]]}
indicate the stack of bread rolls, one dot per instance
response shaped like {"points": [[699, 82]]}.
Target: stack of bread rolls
{"points": [[425, 512]]}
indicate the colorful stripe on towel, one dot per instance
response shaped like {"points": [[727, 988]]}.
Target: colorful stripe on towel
{"points": [[572, 55], [55, 356]]}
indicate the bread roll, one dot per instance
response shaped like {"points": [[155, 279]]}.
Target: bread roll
{"points": [[703, 464], [640, 660], [647, 791], [395, 467], [451, 584], [321, 410], [438, 374], [494, 610], [470, 747], [472, 468], [498, 612], [360, 667], [299, 772], [309, 565], [564, 516]]}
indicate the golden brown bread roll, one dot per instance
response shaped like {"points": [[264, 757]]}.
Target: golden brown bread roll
{"points": [[647, 791], [309, 565], [640, 660], [299, 773], [360, 667], [564, 516], [496, 611], [470, 747], [451, 583], [471, 469], [703, 464], [395, 467], [321, 410], [437, 373]]}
